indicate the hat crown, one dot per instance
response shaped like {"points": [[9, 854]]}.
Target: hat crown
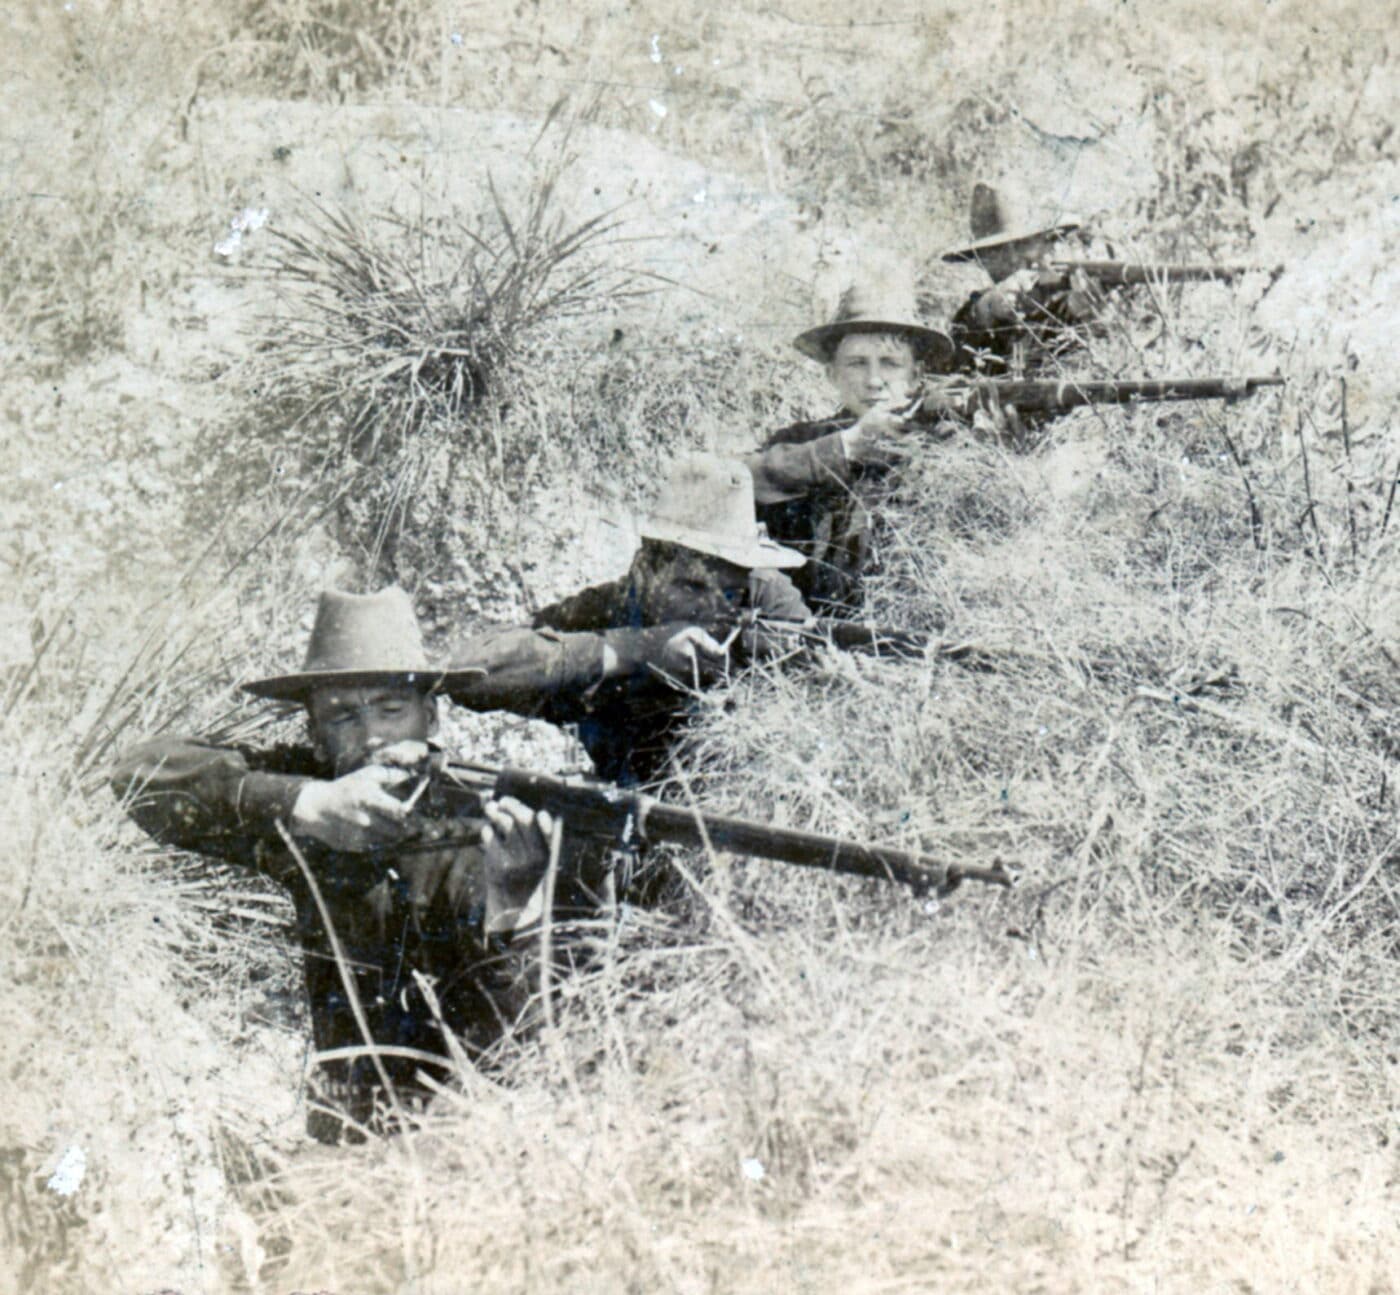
{"points": [[709, 496], [989, 215], [707, 505], [998, 217], [365, 633], [876, 301]]}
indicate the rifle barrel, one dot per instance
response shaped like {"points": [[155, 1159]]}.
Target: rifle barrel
{"points": [[1037, 396], [626, 817], [1116, 274]]}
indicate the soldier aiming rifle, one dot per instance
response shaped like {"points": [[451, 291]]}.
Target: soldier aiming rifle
{"points": [[813, 481], [416, 881], [1039, 301], [702, 558]]}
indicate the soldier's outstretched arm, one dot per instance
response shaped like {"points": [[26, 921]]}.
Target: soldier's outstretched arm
{"points": [[551, 674], [795, 469], [218, 800], [226, 801]]}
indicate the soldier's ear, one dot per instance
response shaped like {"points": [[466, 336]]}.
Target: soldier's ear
{"points": [[430, 708], [313, 732]]}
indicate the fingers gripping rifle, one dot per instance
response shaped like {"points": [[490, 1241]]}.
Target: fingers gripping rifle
{"points": [[625, 818]]}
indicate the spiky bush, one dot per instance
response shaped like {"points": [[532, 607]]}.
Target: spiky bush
{"points": [[393, 324]]}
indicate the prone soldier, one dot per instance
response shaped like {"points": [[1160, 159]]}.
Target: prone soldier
{"points": [[703, 561], [377, 919], [1029, 316], [812, 479], [815, 482], [1040, 303]]}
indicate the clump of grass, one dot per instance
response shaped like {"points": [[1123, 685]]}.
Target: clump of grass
{"points": [[401, 380], [393, 324], [154, 1007]]}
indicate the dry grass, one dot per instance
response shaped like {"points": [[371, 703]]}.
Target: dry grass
{"points": [[1164, 1063]]}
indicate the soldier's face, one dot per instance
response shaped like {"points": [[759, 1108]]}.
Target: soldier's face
{"points": [[870, 369], [694, 588], [349, 724], [1002, 262]]}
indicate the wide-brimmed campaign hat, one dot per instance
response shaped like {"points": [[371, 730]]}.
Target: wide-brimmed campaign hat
{"points": [[360, 640], [707, 505], [999, 219], [876, 305]]}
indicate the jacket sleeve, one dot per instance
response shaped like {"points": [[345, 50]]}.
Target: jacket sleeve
{"points": [[216, 800], [792, 470], [773, 596], [544, 673]]}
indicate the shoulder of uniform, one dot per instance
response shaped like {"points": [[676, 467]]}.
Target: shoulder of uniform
{"points": [[594, 608], [799, 433]]}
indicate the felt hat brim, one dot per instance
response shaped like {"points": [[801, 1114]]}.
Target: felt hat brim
{"points": [[970, 251], [755, 554], [819, 343], [297, 687]]}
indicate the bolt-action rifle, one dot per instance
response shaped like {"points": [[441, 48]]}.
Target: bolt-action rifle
{"points": [[1120, 274], [452, 795], [962, 398], [945, 399], [765, 635]]}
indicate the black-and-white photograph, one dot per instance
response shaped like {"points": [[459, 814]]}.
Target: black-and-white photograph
{"points": [[653, 648]]}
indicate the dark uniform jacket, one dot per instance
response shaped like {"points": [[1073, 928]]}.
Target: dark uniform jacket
{"points": [[627, 724], [396, 913], [811, 498], [1048, 312]]}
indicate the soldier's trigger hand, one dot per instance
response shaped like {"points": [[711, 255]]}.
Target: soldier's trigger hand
{"points": [[875, 437], [353, 813]]}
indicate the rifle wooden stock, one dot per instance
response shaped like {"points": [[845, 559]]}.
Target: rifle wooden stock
{"points": [[626, 818], [1119, 274]]}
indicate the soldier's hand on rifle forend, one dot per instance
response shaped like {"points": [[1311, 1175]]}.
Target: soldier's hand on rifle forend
{"points": [[1003, 304], [515, 846], [878, 438], [355, 812], [997, 419], [693, 655]]}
